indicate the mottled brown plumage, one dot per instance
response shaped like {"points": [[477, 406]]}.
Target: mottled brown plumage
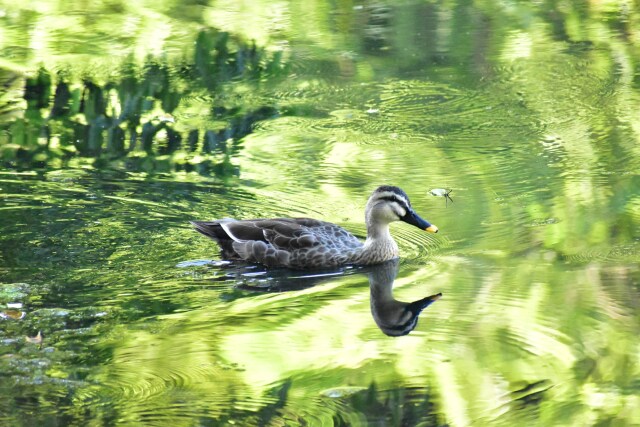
{"points": [[308, 243]]}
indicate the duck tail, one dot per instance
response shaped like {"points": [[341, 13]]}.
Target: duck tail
{"points": [[211, 229], [214, 231]]}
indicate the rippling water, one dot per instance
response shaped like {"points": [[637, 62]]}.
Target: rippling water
{"points": [[113, 311]]}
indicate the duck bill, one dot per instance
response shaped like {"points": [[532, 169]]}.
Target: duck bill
{"points": [[414, 219], [416, 307]]}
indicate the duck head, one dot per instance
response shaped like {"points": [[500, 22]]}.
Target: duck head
{"points": [[394, 318], [388, 204]]}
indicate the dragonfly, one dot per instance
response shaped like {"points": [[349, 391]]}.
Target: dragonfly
{"points": [[442, 192]]}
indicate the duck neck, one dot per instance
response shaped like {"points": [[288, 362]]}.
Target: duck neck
{"points": [[381, 292], [378, 232], [379, 245]]}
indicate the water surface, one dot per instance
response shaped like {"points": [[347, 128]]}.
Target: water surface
{"points": [[528, 112]]}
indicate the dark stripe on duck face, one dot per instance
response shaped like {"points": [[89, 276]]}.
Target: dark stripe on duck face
{"points": [[404, 328], [393, 194], [404, 204], [392, 189], [394, 199]]}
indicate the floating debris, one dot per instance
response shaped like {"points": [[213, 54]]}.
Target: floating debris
{"points": [[340, 392], [166, 118], [35, 340], [12, 314], [441, 192]]}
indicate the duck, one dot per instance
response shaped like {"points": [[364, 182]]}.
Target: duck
{"points": [[306, 243], [394, 318]]}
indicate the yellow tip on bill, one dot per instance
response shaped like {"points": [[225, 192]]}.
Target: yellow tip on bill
{"points": [[431, 229]]}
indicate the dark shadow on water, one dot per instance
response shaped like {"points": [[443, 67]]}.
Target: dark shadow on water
{"points": [[257, 278], [395, 407]]}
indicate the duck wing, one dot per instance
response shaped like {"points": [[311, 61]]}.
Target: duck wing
{"points": [[286, 242], [281, 232], [305, 233], [268, 241], [250, 229]]}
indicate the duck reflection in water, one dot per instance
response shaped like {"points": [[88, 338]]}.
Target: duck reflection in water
{"points": [[394, 318]]}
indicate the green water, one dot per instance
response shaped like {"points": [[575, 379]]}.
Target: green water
{"points": [[529, 112]]}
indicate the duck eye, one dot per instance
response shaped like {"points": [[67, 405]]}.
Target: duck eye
{"points": [[391, 199]]}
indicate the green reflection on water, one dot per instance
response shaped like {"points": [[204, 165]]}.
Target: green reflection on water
{"points": [[128, 122], [529, 112]]}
